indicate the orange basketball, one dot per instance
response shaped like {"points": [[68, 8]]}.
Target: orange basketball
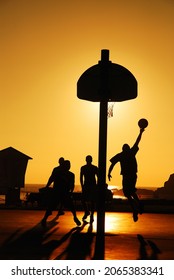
{"points": [[142, 123]]}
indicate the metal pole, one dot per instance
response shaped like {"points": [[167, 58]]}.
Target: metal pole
{"points": [[100, 236]]}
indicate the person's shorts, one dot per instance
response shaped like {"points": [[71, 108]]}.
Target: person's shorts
{"points": [[129, 183], [89, 193]]}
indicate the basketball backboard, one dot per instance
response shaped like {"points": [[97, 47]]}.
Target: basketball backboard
{"points": [[119, 83]]}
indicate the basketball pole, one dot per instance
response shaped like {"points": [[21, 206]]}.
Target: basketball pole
{"points": [[100, 235], [105, 82]]}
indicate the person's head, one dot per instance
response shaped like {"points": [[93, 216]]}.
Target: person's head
{"points": [[67, 165], [88, 159], [126, 148], [61, 160]]}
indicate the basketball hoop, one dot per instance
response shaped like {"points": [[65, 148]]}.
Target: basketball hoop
{"points": [[110, 109]]}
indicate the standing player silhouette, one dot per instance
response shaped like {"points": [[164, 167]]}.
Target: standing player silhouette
{"points": [[89, 181], [63, 185]]}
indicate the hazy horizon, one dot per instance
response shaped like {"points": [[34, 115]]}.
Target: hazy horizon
{"points": [[78, 187]]}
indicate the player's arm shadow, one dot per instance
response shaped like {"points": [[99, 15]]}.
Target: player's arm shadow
{"points": [[148, 250]]}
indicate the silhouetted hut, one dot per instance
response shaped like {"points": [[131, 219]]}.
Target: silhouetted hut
{"points": [[13, 166]]}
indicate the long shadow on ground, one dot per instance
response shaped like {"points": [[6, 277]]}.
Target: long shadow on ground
{"points": [[34, 244], [80, 245]]}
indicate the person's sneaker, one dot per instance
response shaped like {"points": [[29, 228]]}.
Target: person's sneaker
{"points": [[76, 220], [135, 216], [86, 215]]}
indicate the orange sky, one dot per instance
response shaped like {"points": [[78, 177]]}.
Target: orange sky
{"points": [[47, 44]]}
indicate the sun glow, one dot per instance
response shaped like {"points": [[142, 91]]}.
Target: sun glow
{"points": [[44, 52], [112, 222]]}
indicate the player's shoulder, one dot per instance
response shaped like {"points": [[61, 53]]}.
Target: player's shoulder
{"points": [[83, 167], [56, 169], [116, 156]]}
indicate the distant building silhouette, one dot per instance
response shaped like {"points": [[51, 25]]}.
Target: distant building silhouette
{"points": [[13, 166], [167, 191]]}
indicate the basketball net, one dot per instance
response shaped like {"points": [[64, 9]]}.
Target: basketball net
{"points": [[110, 109]]}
